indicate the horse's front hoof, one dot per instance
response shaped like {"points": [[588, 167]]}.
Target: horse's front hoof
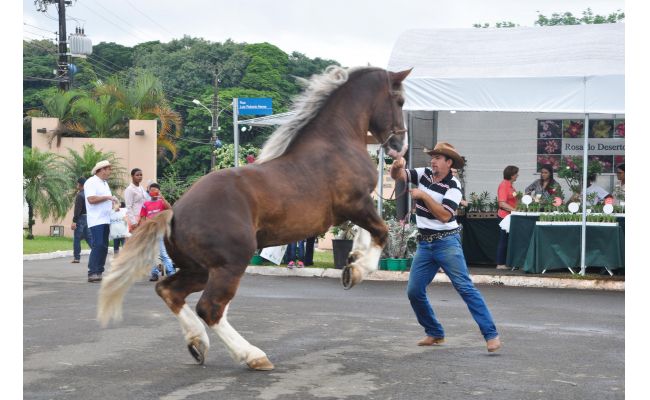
{"points": [[198, 350], [260, 364], [350, 276]]}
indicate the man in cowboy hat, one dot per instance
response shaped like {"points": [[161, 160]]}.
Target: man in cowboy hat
{"points": [[99, 202], [437, 196]]}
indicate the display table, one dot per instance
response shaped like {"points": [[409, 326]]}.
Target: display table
{"points": [[521, 233], [480, 239], [558, 247]]}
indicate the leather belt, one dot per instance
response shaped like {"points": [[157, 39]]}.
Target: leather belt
{"points": [[438, 235]]}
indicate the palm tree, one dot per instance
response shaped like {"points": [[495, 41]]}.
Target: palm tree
{"points": [[101, 117], [145, 99], [60, 105], [77, 165], [45, 186]]}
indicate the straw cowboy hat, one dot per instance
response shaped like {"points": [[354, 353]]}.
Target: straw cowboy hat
{"points": [[447, 150], [100, 165]]}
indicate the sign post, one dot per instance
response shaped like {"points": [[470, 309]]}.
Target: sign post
{"points": [[248, 106]]}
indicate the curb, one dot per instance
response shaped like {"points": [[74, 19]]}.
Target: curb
{"points": [[514, 281], [495, 280]]}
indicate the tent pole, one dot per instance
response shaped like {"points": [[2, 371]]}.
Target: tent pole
{"points": [[585, 164]]}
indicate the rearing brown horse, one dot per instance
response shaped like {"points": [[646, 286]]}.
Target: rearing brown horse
{"points": [[314, 172]]}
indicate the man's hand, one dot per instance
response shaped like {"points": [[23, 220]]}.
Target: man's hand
{"points": [[73, 226], [417, 194], [397, 169]]}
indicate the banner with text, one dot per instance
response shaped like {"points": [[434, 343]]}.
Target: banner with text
{"points": [[562, 141]]}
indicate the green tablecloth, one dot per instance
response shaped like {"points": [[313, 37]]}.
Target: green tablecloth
{"points": [[480, 239], [521, 232], [558, 246]]}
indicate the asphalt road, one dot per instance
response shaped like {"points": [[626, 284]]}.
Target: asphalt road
{"points": [[326, 343]]}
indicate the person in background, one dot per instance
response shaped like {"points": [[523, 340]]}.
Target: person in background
{"points": [[437, 197], [99, 202], [309, 250], [149, 209], [119, 213], [134, 198], [80, 223], [507, 203], [595, 193], [545, 187], [295, 254], [250, 158], [619, 189]]}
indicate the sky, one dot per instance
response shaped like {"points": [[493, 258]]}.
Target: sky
{"points": [[352, 32]]}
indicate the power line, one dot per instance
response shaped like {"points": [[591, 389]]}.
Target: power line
{"points": [[147, 17], [34, 26], [111, 22]]}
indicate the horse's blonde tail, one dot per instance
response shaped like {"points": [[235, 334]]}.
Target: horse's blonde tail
{"points": [[136, 259]]}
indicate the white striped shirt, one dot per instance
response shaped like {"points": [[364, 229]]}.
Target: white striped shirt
{"points": [[446, 192]]}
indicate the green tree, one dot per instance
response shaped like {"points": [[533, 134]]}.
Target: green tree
{"points": [[77, 165], [226, 155], [144, 98], [588, 17], [60, 105], [101, 117], [121, 57], [44, 185]]}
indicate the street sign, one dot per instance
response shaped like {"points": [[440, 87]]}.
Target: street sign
{"points": [[255, 106]]}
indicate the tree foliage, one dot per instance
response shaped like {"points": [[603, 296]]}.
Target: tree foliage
{"points": [[565, 18], [45, 185]]}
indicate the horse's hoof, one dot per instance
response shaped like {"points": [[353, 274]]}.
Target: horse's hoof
{"points": [[198, 350], [260, 364], [350, 276]]}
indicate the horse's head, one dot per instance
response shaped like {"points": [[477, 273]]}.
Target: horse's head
{"points": [[386, 121]]}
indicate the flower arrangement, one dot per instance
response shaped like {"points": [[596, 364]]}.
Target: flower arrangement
{"points": [[401, 241]]}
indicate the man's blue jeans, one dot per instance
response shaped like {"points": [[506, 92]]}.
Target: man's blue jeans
{"points": [[445, 253], [81, 232], [99, 249]]}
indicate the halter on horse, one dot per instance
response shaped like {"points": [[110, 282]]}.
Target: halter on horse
{"points": [[314, 172]]}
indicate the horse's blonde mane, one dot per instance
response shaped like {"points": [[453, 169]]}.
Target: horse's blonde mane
{"points": [[306, 106]]}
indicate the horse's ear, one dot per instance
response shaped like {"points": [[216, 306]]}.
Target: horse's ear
{"points": [[398, 77]]}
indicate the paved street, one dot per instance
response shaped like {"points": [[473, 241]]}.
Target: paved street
{"points": [[326, 343]]}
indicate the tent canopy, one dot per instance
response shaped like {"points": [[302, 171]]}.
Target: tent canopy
{"points": [[572, 69]]}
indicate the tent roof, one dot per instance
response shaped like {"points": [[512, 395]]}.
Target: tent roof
{"points": [[576, 69]]}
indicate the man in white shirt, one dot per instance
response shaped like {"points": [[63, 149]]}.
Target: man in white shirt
{"points": [[99, 202]]}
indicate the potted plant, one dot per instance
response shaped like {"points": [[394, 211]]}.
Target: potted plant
{"points": [[257, 259], [400, 244], [342, 243]]}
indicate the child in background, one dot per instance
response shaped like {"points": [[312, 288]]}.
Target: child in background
{"points": [[149, 209], [119, 229]]}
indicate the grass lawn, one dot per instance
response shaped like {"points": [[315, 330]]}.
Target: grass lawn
{"points": [[47, 244]]}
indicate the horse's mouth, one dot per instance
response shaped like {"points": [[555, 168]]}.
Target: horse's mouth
{"points": [[397, 148]]}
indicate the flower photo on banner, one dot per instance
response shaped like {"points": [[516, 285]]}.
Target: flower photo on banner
{"points": [[572, 129], [544, 159], [601, 128], [619, 128], [606, 162], [549, 146], [550, 128]]}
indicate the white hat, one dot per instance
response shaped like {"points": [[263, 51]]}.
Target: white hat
{"points": [[100, 165]]}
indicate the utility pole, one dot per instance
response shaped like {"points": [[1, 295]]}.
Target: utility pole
{"points": [[64, 78], [215, 119], [62, 70]]}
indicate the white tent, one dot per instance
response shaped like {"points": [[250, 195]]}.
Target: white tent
{"points": [[563, 69]]}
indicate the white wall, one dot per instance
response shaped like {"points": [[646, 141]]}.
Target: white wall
{"points": [[490, 141]]}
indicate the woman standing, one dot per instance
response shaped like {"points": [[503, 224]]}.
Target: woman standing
{"points": [[619, 190], [134, 197], [507, 203], [545, 187]]}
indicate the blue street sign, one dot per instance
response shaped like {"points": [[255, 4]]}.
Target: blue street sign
{"points": [[255, 106]]}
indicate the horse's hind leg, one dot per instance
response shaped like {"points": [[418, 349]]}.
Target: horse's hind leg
{"points": [[213, 308], [173, 290]]}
